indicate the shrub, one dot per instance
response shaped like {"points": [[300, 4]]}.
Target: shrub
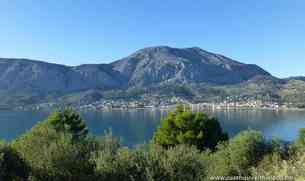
{"points": [[179, 163], [12, 166], [292, 169], [238, 155], [107, 143], [125, 165], [183, 163], [267, 164], [152, 164], [299, 144]]}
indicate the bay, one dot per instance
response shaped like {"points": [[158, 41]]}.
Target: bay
{"points": [[137, 126]]}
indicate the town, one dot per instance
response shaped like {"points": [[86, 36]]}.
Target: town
{"points": [[167, 103]]}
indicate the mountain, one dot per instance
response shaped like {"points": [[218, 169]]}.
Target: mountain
{"points": [[157, 65], [159, 70], [301, 78], [29, 75], [25, 81]]}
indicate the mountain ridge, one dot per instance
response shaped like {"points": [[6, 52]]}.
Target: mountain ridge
{"points": [[34, 80], [182, 65]]}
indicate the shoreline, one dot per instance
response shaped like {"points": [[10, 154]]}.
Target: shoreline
{"points": [[193, 107]]}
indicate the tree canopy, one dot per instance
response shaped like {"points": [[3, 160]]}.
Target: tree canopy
{"points": [[185, 127], [69, 121]]}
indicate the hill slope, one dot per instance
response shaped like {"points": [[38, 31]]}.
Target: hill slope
{"points": [[156, 70], [158, 65]]}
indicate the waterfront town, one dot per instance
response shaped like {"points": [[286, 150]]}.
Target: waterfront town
{"points": [[166, 103]]}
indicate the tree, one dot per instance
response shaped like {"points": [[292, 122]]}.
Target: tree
{"points": [[57, 154], [186, 127], [69, 121]]}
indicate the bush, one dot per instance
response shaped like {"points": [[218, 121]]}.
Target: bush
{"points": [[238, 155], [124, 165], [298, 146], [185, 127], [293, 168], [184, 163], [267, 164], [12, 166], [152, 164], [107, 143]]}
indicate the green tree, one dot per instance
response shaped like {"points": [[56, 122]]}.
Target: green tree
{"points": [[186, 127], [69, 121], [54, 154]]}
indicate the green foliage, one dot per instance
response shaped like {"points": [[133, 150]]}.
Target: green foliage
{"points": [[245, 150], [12, 166], [31, 145], [299, 144], [238, 155], [69, 121], [293, 92], [181, 163], [54, 155], [275, 155], [292, 168], [301, 138], [121, 165], [64, 160], [267, 164], [107, 143], [185, 127], [59, 149]]}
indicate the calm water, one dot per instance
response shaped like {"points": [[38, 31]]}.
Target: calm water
{"points": [[137, 126]]}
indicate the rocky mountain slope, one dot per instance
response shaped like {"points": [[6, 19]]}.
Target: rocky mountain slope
{"points": [[157, 65], [22, 74], [24, 81]]}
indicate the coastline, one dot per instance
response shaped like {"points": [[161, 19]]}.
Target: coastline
{"points": [[193, 107]]}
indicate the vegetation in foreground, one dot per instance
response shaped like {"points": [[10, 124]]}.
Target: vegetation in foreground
{"points": [[186, 146]]}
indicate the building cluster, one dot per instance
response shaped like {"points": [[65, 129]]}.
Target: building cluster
{"points": [[165, 103], [120, 104]]}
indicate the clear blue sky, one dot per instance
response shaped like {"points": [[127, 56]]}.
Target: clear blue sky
{"points": [[270, 33]]}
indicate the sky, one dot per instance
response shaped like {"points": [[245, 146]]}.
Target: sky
{"points": [[269, 33]]}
